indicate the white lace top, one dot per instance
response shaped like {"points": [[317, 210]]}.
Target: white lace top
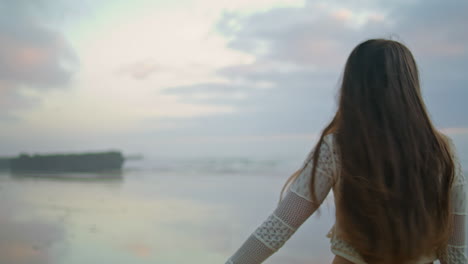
{"points": [[296, 207]]}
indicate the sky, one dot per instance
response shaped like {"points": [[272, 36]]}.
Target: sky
{"points": [[182, 78]]}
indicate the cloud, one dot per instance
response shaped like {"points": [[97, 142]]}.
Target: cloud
{"points": [[140, 70], [280, 73], [12, 101], [316, 34], [32, 54], [301, 52], [435, 27]]}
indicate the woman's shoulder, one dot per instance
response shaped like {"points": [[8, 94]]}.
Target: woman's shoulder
{"points": [[459, 175], [328, 139], [330, 159]]}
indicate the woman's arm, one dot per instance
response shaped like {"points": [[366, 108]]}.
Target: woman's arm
{"points": [[270, 236], [290, 213]]}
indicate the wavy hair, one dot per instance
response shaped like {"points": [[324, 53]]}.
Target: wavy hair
{"points": [[396, 169]]}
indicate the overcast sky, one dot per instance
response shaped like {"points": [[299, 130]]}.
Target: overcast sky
{"points": [[208, 77]]}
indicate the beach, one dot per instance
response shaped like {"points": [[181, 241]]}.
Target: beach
{"points": [[192, 212]]}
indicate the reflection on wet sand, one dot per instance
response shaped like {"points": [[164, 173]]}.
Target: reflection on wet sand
{"points": [[139, 217], [138, 249], [36, 212], [27, 241], [116, 175]]}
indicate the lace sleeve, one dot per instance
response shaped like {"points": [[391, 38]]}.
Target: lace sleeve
{"points": [[289, 215], [456, 251]]}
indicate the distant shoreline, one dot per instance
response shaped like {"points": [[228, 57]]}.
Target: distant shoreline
{"points": [[71, 162]]}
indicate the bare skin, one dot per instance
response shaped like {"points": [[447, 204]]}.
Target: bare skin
{"points": [[340, 260]]}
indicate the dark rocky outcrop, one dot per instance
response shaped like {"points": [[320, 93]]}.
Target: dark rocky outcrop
{"points": [[5, 163], [85, 162]]}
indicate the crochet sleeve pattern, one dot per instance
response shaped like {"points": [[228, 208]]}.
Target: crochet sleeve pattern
{"points": [[291, 212], [456, 252]]}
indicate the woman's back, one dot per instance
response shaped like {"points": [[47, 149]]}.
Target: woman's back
{"points": [[456, 248], [398, 187], [297, 205], [396, 172]]}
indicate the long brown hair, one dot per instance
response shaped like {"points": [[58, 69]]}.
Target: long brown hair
{"points": [[396, 169]]}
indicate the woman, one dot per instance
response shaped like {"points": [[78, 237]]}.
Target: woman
{"points": [[397, 182]]}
